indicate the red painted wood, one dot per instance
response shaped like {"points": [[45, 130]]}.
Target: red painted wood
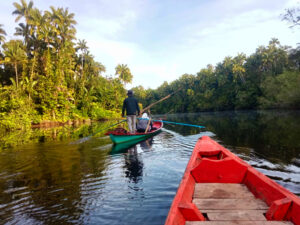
{"points": [[263, 187], [212, 163], [157, 125], [227, 170], [278, 209], [294, 211], [182, 206]]}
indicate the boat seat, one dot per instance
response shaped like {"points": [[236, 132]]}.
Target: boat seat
{"points": [[228, 204]]}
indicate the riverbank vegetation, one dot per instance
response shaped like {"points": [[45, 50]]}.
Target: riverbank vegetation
{"points": [[46, 74], [269, 78]]}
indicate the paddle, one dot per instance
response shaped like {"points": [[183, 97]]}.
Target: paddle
{"points": [[81, 140], [182, 124]]}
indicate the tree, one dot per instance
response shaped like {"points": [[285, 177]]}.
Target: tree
{"points": [[238, 67], [14, 54], [2, 34], [82, 46], [124, 73], [24, 10], [63, 23], [292, 15]]}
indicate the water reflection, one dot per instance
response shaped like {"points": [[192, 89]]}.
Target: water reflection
{"points": [[147, 144], [133, 165], [46, 180], [275, 135], [133, 162]]}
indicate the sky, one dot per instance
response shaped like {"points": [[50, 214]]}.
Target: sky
{"points": [[160, 40]]}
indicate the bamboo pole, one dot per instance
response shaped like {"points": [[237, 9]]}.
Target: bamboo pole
{"points": [[147, 126], [164, 98]]}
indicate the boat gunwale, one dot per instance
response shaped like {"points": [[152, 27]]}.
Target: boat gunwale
{"points": [[117, 134], [283, 204]]}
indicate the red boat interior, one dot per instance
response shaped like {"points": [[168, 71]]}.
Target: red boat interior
{"points": [[220, 188], [121, 131]]}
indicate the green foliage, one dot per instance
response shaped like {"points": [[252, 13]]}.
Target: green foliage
{"points": [[124, 73], [266, 79], [15, 110], [2, 34], [47, 76], [281, 91]]}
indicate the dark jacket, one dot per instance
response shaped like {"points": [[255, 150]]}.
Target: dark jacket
{"points": [[131, 106]]}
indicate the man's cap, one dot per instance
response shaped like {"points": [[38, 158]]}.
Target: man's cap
{"points": [[130, 92]]}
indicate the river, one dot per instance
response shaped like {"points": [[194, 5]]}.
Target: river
{"points": [[48, 177]]}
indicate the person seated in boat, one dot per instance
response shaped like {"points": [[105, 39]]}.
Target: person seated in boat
{"points": [[143, 123]]}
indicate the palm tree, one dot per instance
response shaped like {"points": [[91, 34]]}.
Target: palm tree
{"points": [[14, 54], [238, 68], [81, 45], [22, 30], [63, 22], [2, 34], [24, 10], [124, 73]]}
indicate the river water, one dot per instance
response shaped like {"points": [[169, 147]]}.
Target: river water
{"points": [[46, 177]]}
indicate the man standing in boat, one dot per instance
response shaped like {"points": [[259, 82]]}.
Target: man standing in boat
{"points": [[131, 106]]}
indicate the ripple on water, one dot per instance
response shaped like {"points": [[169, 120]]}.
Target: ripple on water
{"points": [[58, 183]]}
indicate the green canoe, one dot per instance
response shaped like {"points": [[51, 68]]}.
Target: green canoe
{"points": [[119, 137]]}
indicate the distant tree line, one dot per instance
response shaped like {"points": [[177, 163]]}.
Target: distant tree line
{"points": [[269, 78], [47, 74]]}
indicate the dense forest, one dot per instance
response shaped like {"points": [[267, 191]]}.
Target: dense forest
{"points": [[46, 74], [269, 78]]}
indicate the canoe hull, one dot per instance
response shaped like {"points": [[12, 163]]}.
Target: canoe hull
{"points": [[123, 147], [119, 138], [211, 163]]}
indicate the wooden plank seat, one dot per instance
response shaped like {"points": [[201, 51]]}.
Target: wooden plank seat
{"points": [[228, 204], [220, 190]]}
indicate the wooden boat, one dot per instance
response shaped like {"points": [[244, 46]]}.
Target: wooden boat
{"points": [[220, 188], [119, 136]]}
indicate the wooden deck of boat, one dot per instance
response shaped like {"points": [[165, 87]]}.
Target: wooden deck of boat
{"points": [[230, 204]]}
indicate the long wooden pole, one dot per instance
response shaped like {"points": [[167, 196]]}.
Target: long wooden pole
{"points": [[148, 126], [164, 98]]}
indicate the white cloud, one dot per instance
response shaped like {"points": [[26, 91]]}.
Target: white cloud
{"points": [[292, 3], [108, 27], [154, 74]]}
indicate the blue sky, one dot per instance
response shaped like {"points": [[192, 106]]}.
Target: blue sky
{"points": [[160, 40]]}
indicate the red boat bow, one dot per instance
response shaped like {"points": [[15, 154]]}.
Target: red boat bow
{"points": [[213, 165]]}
